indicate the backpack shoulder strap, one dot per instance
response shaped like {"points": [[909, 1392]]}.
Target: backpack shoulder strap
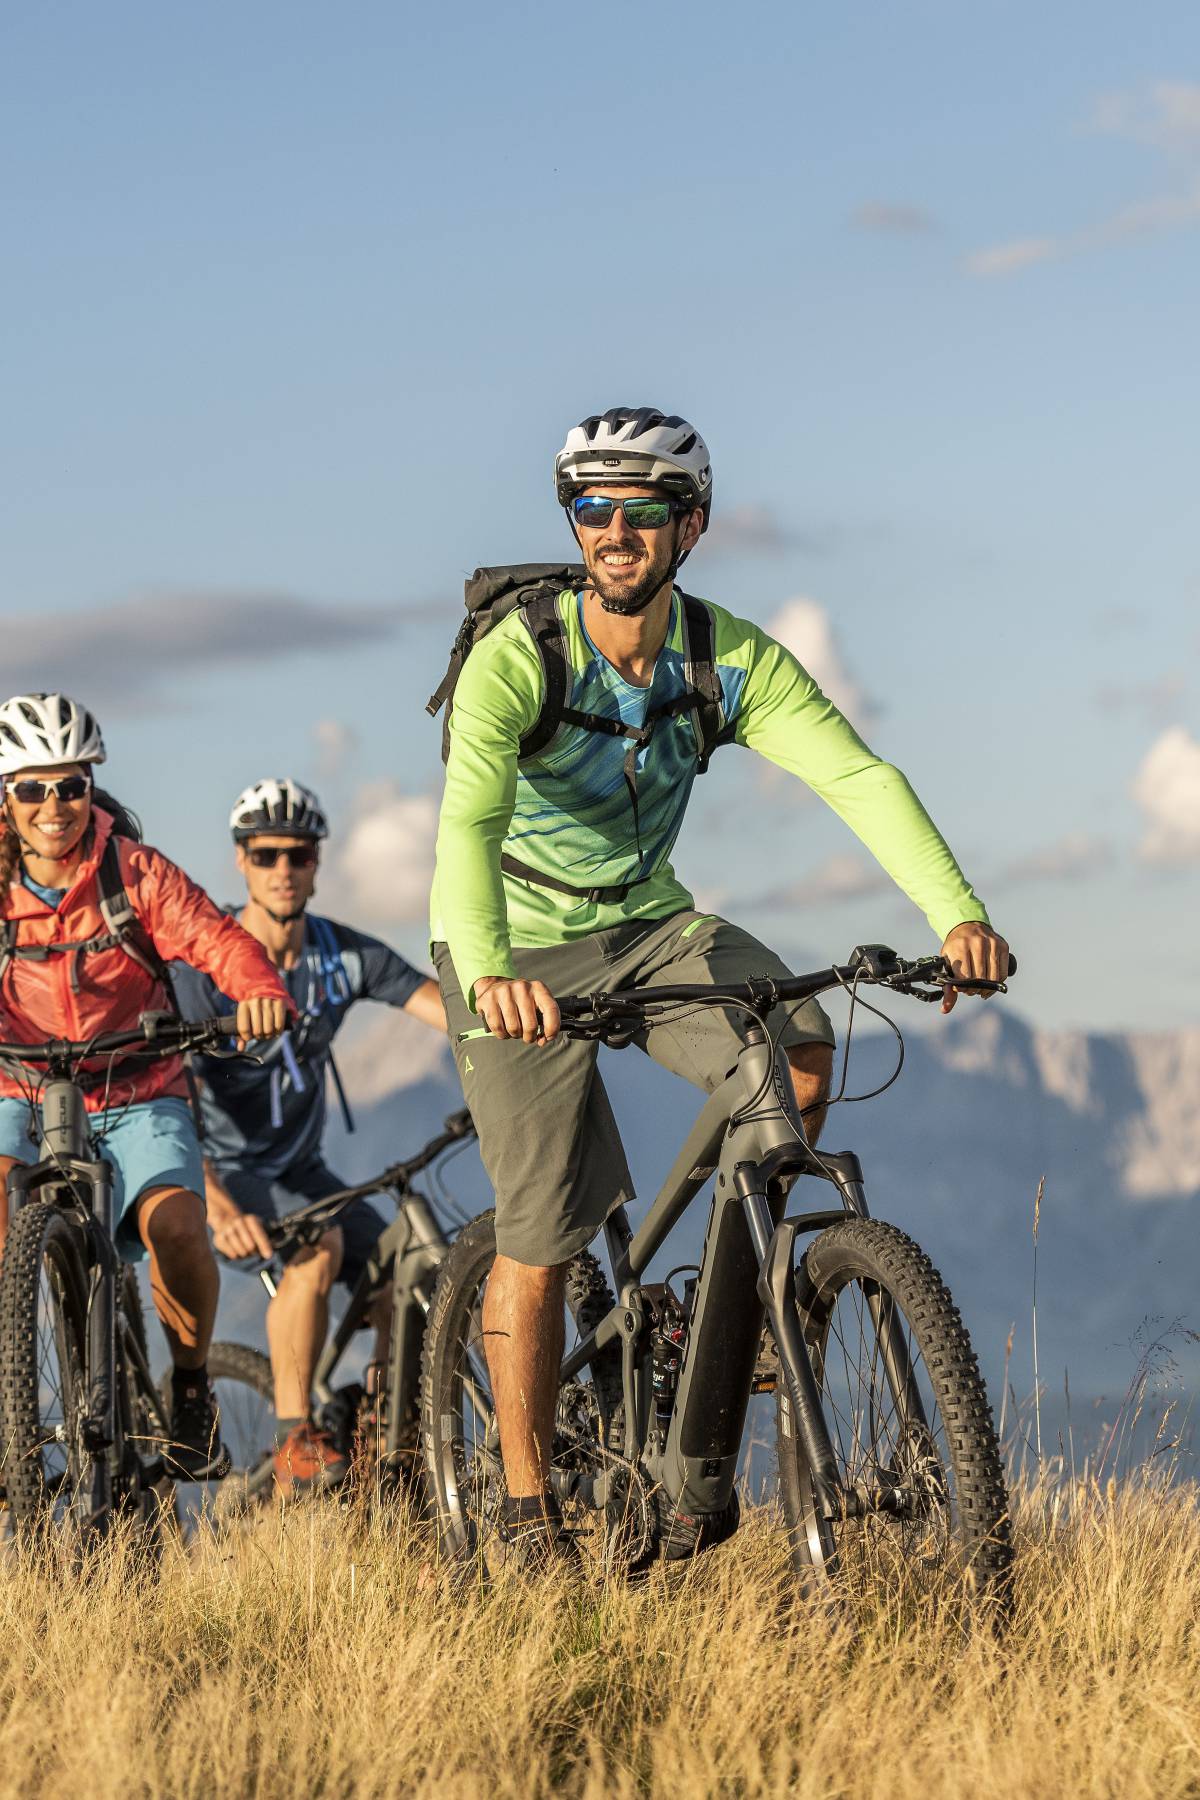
{"points": [[544, 624], [700, 673], [119, 914], [8, 937]]}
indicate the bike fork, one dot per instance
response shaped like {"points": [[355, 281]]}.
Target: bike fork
{"points": [[99, 1426], [774, 1246]]}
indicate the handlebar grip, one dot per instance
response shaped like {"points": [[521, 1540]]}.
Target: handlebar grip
{"points": [[1012, 963], [226, 1025]]}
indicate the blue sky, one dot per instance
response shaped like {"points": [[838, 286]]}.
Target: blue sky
{"points": [[297, 306]]}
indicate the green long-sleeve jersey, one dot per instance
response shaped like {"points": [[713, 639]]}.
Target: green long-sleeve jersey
{"points": [[568, 812]]}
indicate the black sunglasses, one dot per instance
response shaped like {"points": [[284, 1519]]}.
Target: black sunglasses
{"points": [[300, 856], [595, 512], [64, 787]]}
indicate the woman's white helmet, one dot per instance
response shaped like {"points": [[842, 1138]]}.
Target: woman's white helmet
{"points": [[47, 731], [639, 445], [278, 805]]}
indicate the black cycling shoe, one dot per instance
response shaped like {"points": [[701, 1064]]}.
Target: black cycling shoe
{"points": [[683, 1535], [195, 1451], [534, 1541]]}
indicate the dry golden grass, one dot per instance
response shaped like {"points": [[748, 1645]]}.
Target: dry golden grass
{"points": [[318, 1654]]}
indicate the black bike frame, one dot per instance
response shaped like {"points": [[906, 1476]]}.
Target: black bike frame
{"points": [[750, 1135], [62, 1163], [413, 1247]]}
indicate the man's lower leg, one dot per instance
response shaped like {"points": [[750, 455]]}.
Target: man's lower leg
{"points": [[297, 1323], [523, 1339]]}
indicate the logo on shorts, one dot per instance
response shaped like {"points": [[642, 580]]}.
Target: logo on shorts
{"points": [[468, 1066]]}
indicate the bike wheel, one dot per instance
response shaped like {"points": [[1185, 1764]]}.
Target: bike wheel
{"points": [[245, 1391], [146, 1425], [908, 1418], [50, 1473], [461, 1439]]}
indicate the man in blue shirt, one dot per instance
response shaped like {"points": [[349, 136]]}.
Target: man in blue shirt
{"points": [[264, 1120]]}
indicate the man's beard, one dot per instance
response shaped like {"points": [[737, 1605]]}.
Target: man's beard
{"points": [[630, 600]]}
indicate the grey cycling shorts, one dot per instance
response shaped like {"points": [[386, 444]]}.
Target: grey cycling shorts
{"points": [[547, 1133]]}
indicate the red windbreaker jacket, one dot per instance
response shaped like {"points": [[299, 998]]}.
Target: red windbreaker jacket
{"points": [[37, 1000]]}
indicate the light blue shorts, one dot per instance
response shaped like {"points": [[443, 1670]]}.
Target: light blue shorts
{"points": [[150, 1145]]}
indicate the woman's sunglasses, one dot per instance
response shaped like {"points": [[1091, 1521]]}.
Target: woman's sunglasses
{"points": [[594, 512], [300, 856], [63, 787]]}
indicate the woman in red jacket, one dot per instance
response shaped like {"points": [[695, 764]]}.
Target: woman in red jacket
{"points": [[62, 974]]}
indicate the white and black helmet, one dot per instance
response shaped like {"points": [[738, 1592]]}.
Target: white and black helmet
{"points": [[639, 445], [278, 805], [46, 731]]}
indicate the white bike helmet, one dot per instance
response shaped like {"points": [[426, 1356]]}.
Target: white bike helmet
{"points": [[46, 731], [278, 805], [635, 445]]}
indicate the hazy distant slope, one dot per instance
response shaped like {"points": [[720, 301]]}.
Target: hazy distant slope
{"points": [[953, 1153]]}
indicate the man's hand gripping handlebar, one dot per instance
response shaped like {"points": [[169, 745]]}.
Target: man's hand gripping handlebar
{"points": [[527, 1010]]}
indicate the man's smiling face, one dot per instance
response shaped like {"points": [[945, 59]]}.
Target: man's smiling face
{"points": [[627, 567]]}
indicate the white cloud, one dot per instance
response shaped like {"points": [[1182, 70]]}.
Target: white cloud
{"points": [[804, 627], [335, 743], [898, 217], [843, 876], [1164, 115], [1006, 259], [1147, 218], [1153, 698], [1072, 858], [754, 529], [1167, 789], [381, 869]]}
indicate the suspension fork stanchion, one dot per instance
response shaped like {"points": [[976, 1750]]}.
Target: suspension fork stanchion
{"points": [[99, 1426], [775, 1247], [897, 1364], [416, 1262]]}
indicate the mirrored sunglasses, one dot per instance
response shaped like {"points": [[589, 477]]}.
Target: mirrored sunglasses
{"points": [[594, 512]]}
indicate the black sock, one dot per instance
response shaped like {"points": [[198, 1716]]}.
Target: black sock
{"points": [[531, 1509], [187, 1378]]}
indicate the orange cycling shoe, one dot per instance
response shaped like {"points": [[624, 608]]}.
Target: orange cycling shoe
{"points": [[309, 1458]]}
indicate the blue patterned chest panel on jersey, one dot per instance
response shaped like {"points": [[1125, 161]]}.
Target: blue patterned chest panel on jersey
{"points": [[573, 811]]}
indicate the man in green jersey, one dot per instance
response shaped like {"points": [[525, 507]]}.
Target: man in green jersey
{"points": [[554, 875]]}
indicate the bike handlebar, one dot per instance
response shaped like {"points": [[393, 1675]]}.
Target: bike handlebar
{"points": [[308, 1222], [157, 1034], [873, 964]]}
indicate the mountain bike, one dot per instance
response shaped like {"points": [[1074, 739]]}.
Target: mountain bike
{"points": [[884, 1439], [86, 1434], [382, 1426]]}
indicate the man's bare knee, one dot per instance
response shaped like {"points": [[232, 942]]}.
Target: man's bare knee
{"points": [[811, 1068], [315, 1266], [172, 1223]]}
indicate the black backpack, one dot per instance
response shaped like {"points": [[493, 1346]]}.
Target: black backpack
{"points": [[491, 594]]}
